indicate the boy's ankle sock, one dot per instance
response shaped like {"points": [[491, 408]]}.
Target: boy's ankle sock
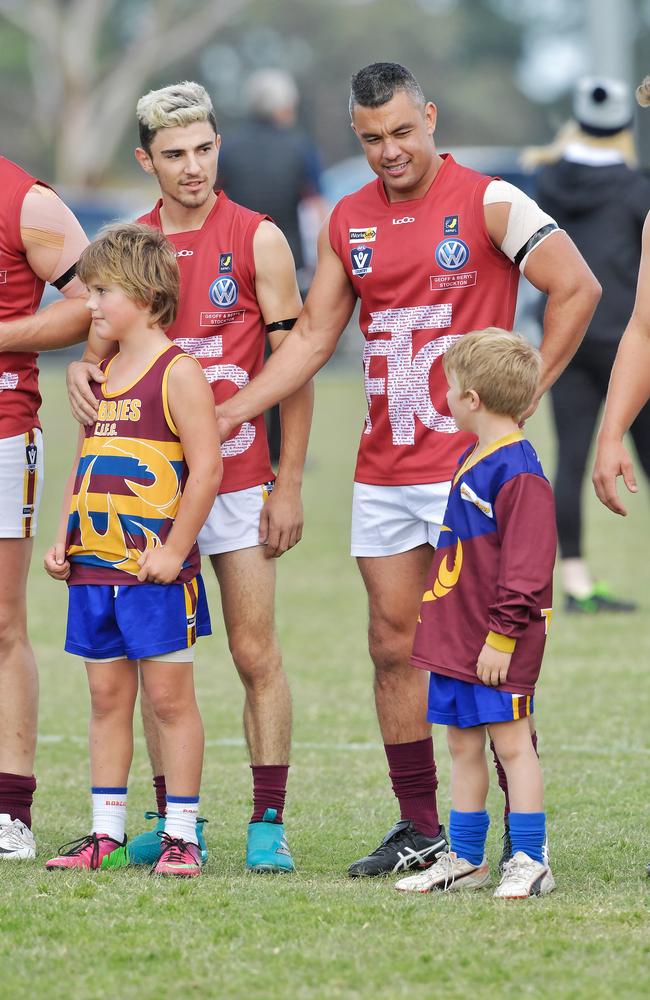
{"points": [[16, 795], [269, 790], [467, 834], [501, 774], [412, 771], [180, 818], [160, 788], [528, 834], [109, 811]]}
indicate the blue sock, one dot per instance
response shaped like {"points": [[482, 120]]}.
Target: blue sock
{"points": [[528, 834], [468, 833]]}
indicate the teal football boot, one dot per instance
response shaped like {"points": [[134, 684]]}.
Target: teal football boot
{"points": [[267, 849], [146, 848]]}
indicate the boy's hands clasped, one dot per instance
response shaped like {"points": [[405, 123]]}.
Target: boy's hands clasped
{"points": [[492, 665]]}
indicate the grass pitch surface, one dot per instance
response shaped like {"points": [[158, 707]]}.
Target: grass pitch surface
{"points": [[317, 934]]}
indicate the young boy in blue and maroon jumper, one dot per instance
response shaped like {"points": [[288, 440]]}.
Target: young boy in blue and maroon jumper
{"points": [[485, 615]]}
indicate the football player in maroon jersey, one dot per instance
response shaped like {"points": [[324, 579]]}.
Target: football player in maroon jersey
{"points": [[432, 251]]}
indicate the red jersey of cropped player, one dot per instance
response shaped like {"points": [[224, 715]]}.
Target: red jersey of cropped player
{"points": [[493, 568], [219, 323], [20, 295], [426, 272], [129, 481]]}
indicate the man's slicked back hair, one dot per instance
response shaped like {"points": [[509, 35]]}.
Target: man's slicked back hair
{"points": [[376, 84], [179, 104]]}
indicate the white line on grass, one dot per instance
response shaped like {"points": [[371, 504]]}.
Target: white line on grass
{"points": [[237, 741]]}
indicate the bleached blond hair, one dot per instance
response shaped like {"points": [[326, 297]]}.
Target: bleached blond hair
{"points": [[643, 93], [178, 104], [502, 367]]}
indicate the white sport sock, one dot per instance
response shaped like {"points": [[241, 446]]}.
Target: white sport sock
{"points": [[180, 820], [109, 811], [576, 578]]}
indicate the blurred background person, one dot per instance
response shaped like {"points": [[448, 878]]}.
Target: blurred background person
{"points": [[590, 184], [271, 166]]}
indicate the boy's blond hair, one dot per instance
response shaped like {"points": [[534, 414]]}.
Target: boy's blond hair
{"points": [[503, 368], [141, 261], [178, 104]]}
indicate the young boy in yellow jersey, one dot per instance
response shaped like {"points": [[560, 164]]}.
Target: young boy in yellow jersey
{"points": [[147, 472]]}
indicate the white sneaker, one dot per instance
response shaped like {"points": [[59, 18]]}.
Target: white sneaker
{"points": [[16, 840], [523, 877], [449, 874]]}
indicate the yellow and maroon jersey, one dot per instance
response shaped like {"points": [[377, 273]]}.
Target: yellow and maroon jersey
{"points": [[129, 481], [425, 272], [492, 572], [219, 323], [20, 295]]}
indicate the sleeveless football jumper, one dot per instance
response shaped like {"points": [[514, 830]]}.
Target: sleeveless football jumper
{"points": [[219, 323], [426, 272], [129, 481]]}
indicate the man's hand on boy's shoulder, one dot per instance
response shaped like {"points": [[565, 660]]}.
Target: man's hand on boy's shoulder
{"points": [[82, 401], [159, 565], [492, 665], [55, 562]]}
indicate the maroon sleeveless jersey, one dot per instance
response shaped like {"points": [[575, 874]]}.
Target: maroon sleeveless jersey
{"points": [[219, 323], [129, 481], [20, 296], [425, 272]]}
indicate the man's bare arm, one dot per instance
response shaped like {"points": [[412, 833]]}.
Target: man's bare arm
{"points": [[557, 269], [629, 390], [305, 349], [276, 288], [53, 241]]}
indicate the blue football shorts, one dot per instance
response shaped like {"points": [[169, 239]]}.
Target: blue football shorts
{"points": [[138, 621], [453, 702]]}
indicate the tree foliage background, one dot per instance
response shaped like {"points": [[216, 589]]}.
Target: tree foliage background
{"points": [[72, 70]]}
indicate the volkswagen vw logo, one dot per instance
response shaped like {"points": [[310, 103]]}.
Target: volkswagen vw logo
{"points": [[452, 254], [224, 292]]}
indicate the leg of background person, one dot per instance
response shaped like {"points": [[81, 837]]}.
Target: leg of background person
{"points": [[247, 582], [18, 684], [153, 749], [395, 585], [576, 399]]}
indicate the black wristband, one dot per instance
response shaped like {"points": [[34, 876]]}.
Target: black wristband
{"points": [[282, 324]]}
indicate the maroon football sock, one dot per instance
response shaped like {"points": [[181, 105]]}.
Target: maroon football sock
{"points": [[501, 774], [269, 790], [160, 789], [412, 771], [16, 795]]}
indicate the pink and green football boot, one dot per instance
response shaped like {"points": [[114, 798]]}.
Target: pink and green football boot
{"points": [[178, 858], [145, 849], [91, 852]]}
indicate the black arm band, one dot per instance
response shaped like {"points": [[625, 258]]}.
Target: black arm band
{"points": [[65, 277], [282, 324], [534, 240]]}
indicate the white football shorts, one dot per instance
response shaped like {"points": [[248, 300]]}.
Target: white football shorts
{"points": [[234, 521], [21, 483], [387, 520]]}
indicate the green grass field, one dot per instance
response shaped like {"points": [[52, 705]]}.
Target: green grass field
{"points": [[317, 934]]}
